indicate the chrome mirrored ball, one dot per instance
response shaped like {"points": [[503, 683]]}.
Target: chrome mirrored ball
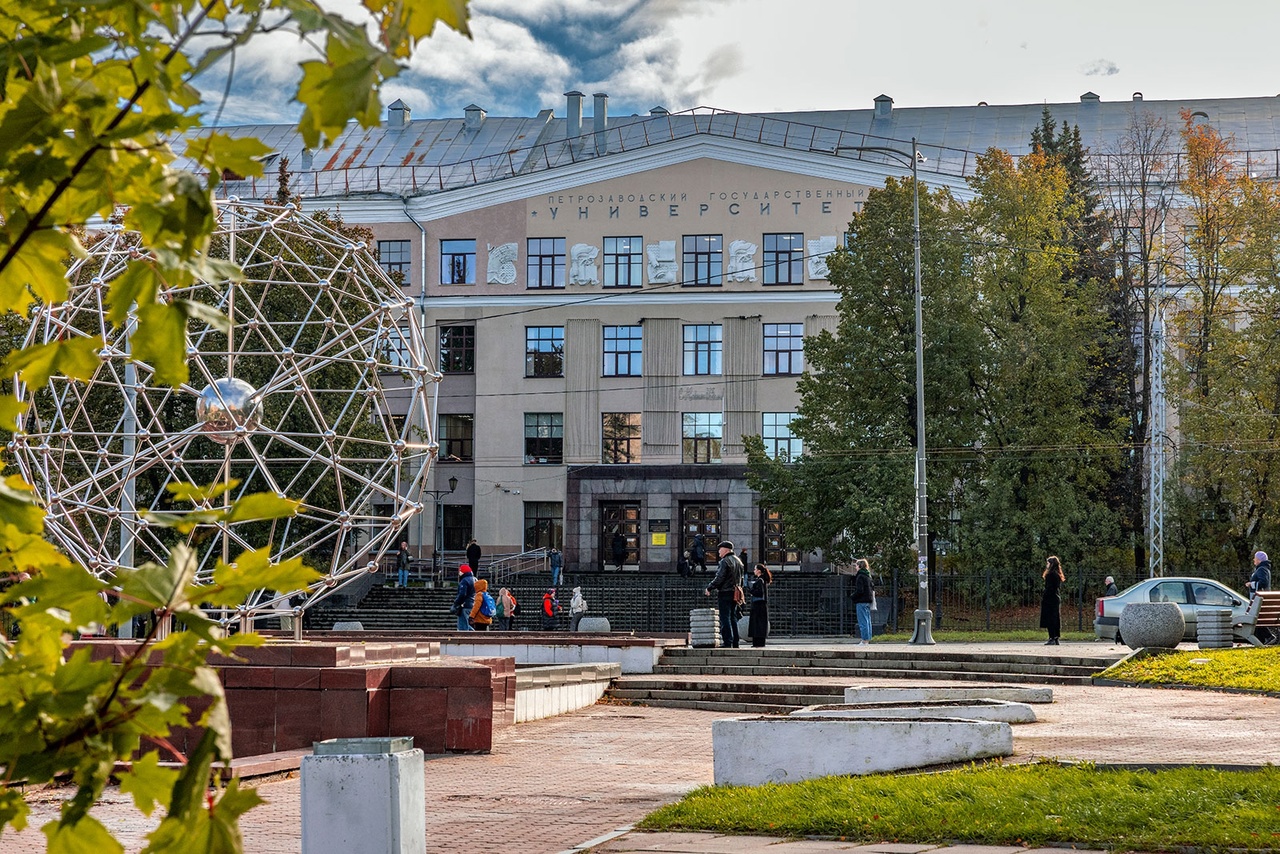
{"points": [[226, 404]]}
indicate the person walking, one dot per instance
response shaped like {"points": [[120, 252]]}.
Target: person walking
{"points": [[473, 555], [577, 607], [1261, 578], [465, 599], [483, 609], [698, 553], [556, 559], [1051, 601], [742, 559], [758, 623], [727, 584], [1110, 589], [550, 611], [618, 547], [402, 564], [506, 602], [863, 596]]}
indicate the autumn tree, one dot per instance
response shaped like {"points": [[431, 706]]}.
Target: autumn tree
{"points": [[91, 95]]}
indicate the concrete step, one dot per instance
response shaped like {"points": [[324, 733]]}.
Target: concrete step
{"points": [[1098, 661], [715, 706], [787, 701], [808, 666], [878, 673]]}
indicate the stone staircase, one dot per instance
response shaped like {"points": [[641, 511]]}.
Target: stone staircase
{"points": [[779, 680], [392, 609]]}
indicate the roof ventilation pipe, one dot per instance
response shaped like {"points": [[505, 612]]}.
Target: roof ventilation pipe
{"points": [[398, 114], [600, 116], [573, 116], [884, 107], [473, 117]]}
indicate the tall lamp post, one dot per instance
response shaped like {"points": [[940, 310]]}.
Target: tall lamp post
{"points": [[923, 633], [436, 495]]}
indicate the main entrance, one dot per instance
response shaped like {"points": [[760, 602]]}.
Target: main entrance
{"points": [[620, 518], [700, 517]]}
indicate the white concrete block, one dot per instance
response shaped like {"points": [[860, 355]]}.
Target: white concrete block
{"points": [[754, 751], [372, 803], [969, 710], [932, 693]]}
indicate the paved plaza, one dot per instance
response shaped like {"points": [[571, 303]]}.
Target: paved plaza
{"points": [[557, 784]]}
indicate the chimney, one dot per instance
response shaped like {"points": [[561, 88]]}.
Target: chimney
{"points": [[659, 111], [884, 107], [1089, 98], [573, 118], [306, 160], [473, 117], [600, 116], [397, 114]]}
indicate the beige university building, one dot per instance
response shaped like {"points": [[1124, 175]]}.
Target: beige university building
{"points": [[619, 301]]}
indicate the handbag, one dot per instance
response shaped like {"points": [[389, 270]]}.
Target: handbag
{"points": [[738, 597], [873, 599]]}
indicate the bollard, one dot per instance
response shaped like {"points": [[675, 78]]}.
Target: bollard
{"points": [[366, 795]]}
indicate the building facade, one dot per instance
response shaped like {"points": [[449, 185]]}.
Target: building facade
{"points": [[619, 302]]}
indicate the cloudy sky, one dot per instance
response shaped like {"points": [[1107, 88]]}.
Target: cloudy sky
{"points": [[762, 55]]}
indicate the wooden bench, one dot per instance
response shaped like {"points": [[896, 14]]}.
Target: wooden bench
{"points": [[1263, 612]]}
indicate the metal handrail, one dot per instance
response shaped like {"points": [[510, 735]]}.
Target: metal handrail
{"points": [[506, 567]]}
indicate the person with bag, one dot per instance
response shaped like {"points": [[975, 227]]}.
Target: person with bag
{"points": [[465, 600], [506, 610], [864, 596], [758, 623], [484, 609], [728, 586], [577, 607]]}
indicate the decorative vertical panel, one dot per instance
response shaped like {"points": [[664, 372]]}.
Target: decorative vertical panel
{"points": [[743, 362], [660, 427], [582, 360], [815, 323]]}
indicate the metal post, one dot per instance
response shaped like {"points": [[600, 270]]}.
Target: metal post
{"points": [[923, 618]]}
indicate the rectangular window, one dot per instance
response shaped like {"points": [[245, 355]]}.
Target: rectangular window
{"points": [[393, 256], [1191, 260], [546, 262], [623, 350], [543, 438], [703, 259], [779, 442], [457, 526], [543, 525], [457, 438], [703, 350], [544, 351], [784, 259], [623, 262], [702, 434], [457, 349], [457, 262], [620, 437], [783, 349]]}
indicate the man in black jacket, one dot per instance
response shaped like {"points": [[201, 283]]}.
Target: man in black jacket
{"points": [[1261, 578], [728, 578]]}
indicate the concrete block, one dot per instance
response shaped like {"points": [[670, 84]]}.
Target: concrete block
{"points": [[1152, 624], [593, 624], [754, 751], [370, 803], [970, 710], [929, 693]]}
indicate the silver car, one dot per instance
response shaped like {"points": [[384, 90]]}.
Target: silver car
{"points": [[1190, 595]]}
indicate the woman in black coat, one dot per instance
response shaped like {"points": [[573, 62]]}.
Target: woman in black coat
{"points": [[1051, 601], [758, 624]]}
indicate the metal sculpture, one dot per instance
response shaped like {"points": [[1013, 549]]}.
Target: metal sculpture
{"points": [[322, 391]]}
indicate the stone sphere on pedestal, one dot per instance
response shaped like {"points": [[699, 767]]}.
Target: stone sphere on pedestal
{"points": [[1152, 624]]}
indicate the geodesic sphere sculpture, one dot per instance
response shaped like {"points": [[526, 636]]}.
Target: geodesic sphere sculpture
{"points": [[322, 391]]}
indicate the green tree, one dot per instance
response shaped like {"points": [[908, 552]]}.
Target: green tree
{"points": [[90, 95]]}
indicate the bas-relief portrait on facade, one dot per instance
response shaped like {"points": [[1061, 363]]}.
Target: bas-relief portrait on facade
{"points": [[582, 269], [819, 249], [502, 263], [662, 262], [742, 261]]}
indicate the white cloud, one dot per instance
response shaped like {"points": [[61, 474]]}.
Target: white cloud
{"points": [[1100, 68]]}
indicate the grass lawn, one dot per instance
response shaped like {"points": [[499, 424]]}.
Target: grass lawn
{"points": [[996, 804], [1250, 668]]}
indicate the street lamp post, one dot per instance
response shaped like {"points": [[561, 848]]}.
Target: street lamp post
{"points": [[923, 633], [436, 495]]}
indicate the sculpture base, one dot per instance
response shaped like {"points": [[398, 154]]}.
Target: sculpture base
{"points": [[923, 633]]}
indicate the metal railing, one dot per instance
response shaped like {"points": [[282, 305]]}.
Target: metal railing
{"points": [[503, 569]]}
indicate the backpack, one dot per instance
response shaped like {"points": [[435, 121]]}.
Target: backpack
{"points": [[487, 606]]}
